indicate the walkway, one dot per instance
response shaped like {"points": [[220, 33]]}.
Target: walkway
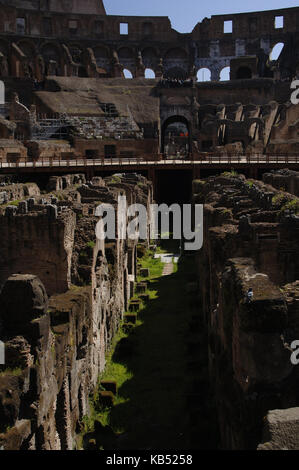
{"points": [[150, 161], [165, 403], [168, 259]]}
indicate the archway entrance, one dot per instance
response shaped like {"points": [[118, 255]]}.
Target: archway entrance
{"points": [[176, 138]]}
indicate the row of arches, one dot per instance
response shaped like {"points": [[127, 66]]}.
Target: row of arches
{"points": [[51, 59], [203, 74]]}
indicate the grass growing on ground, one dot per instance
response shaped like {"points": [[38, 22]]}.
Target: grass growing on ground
{"points": [[150, 366]]}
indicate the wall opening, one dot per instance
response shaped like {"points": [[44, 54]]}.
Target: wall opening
{"points": [[73, 27], [123, 28], [204, 75], [279, 20], [127, 73], [110, 151], [176, 137], [149, 73], [21, 25], [225, 74], [228, 27], [276, 51]]}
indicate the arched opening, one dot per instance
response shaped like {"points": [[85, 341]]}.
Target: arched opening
{"points": [[276, 51], [176, 137], [176, 64], [176, 73], [101, 55], [126, 53], [243, 73], [149, 73], [127, 74], [204, 75], [82, 72], [225, 74], [150, 57], [51, 55]]}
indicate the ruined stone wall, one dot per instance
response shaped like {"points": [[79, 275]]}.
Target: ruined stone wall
{"points": [[250, 241], [55, 344], [284, 180], [105, 50], [38, 244]]}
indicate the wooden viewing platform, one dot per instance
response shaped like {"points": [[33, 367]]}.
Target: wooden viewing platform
{"points": [[211, 161]]}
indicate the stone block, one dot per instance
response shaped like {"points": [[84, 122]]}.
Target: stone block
{"points": [[23, 207], [52, 212], [144, 272], [11, 211], [23, 299]]}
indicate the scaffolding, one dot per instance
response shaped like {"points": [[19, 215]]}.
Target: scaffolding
{"points": [[52, 128]]}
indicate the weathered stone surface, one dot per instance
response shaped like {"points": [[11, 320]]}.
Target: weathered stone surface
{"points": [[55, 349], [281, 430], [30, 303], [249, 340]]}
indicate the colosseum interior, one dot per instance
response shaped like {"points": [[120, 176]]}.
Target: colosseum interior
{"points": [[118, 344]]}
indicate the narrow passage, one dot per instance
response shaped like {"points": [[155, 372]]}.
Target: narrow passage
{"points": [[161, 369]]}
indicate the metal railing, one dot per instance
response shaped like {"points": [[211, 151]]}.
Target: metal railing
{"points": [[158, 160]]}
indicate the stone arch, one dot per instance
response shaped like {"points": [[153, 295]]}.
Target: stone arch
{"points": [[176, 63], [176, 73], [225, 74], [52, 57], [127, 73], [27, 47], [150, 57], [76, 52], [204, 75], [276, 51], [4, 47], [101, 52], [127, 58], [172, 119], [176, 54], [50, 50], [125, 53], [4, 59], [149, 73], [102, 56]]}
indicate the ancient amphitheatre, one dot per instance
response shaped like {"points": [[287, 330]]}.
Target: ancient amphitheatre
{"points": [[121, 344]]}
